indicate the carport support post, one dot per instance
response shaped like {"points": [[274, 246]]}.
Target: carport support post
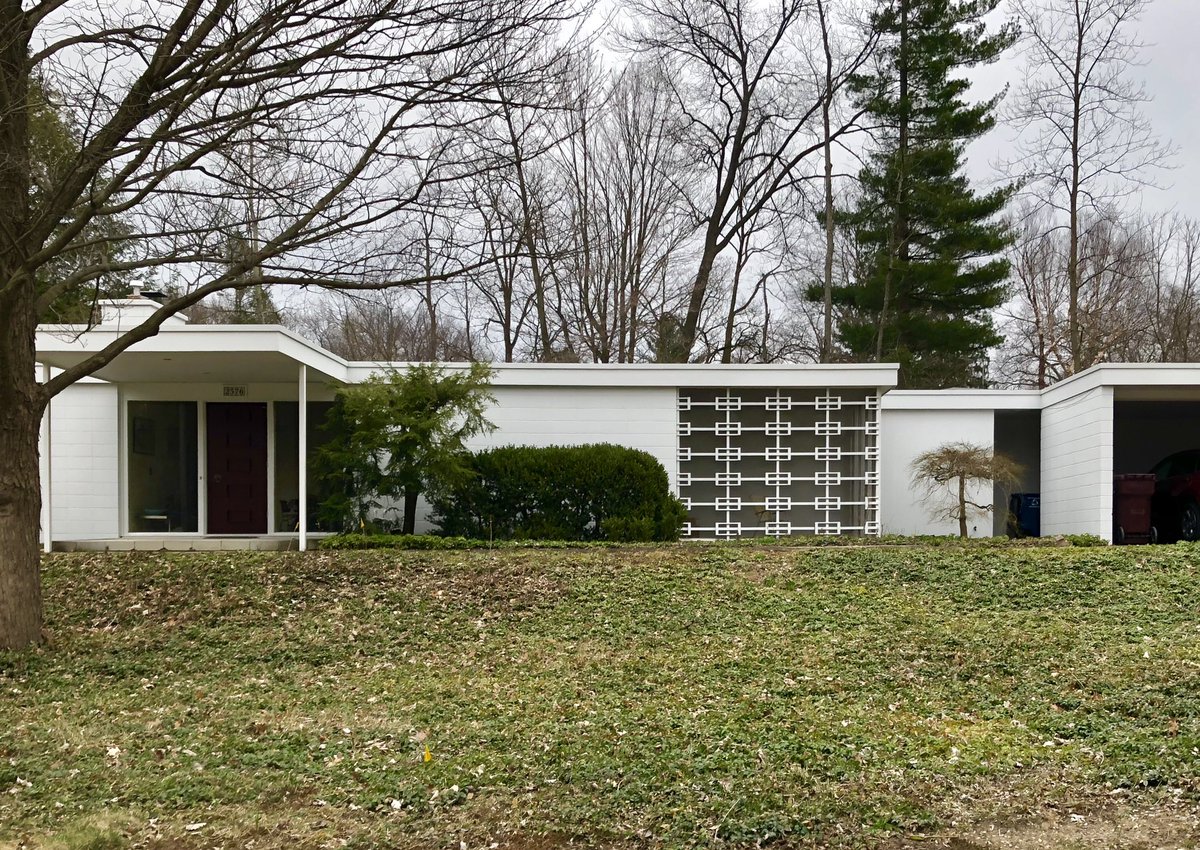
{"points": [[303, 459], [47, 536]]}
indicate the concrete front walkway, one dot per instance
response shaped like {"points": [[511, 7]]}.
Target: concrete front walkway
{"points": [[184, 544]]}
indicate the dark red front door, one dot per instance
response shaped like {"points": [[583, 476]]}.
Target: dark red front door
{"points": [[237, 468]]}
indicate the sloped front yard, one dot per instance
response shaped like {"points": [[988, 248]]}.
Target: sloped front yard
{"points": [[672, 696]]}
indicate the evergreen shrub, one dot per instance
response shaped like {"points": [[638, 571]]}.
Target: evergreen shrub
{"points": [[591, 492]]}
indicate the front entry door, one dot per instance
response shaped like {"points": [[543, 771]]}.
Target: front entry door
{"points": [[237, 468]]}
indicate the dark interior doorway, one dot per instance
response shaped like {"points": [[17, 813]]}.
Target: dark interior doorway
{"points": [[237, 468], [1162, 436], [1145, 432], [1018, 435]]}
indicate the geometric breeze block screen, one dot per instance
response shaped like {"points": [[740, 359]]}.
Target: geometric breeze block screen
{"points": [[775, 462]]}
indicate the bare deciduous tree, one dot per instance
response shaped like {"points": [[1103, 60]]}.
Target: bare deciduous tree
{"points": [[841, 45], [390, 325], [580, 215], [1036, 351], [752, 116], [622, 171], [519, 142], [1139, 296], [1171, 296], [499, 282], [1085, 142], [345, 96]]}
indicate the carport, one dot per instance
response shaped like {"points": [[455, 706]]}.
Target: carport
{"points": [[1111, 419], [1150, 424]]}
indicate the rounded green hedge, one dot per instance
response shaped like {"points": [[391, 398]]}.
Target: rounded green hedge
{"points": [[591, 492]]}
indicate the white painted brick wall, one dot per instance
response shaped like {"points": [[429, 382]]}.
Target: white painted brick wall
{"points": [[84, 490], [638, 417], [904, 434], [1077, 465]]}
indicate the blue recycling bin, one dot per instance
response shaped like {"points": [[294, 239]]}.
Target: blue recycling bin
{"points": [[1025, 515]]}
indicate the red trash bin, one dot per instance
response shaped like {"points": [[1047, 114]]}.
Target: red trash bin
{"points": [[1132, 496]]}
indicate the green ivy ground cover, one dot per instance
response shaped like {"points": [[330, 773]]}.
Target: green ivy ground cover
{"points": [[671, 696]]}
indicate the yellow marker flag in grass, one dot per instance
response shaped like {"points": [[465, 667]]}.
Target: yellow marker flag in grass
{"points": [[428, 755]]}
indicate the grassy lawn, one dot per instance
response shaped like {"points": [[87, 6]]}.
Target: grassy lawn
{"points": [[671, 696]]}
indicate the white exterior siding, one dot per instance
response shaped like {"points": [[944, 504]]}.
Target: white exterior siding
{"points": [[83, 492], [908, 433], [1077, 464], [638, 417]]}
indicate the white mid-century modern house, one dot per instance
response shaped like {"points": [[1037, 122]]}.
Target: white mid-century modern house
{"points": [[198, 437]]}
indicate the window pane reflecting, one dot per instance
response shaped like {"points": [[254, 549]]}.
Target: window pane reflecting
{"points": [[287, 474], [162, 466]]}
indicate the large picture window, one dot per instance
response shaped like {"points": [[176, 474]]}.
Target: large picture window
{"points": [[162, 466], [287, 468]]}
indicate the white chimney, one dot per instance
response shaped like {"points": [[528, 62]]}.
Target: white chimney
{"points": [[125, 313]]}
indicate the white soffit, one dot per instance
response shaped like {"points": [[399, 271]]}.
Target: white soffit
{"points": [[195, 354], [1174, 392], [1131, 381]]}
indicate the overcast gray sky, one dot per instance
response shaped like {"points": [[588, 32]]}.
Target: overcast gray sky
{"points": [[1171, 73]]}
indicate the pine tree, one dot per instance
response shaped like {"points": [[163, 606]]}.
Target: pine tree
{"points": [[929, 242]]}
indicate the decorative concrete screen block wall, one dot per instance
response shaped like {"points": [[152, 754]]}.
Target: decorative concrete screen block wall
{"points": [[775, 462]]}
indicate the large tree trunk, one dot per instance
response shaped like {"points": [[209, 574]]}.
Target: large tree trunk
{"points": [[827, 138], [410, 510], [1077, 361], [731, 314], [21, 400], [1073, 191], [682, 350]]}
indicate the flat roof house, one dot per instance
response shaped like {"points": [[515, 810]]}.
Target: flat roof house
{"points": [[199, 436]]}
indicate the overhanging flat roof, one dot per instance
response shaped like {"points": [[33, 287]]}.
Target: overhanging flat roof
{"points": [[1144, 381], [963, 399], [195, 354], [650, 375], [182, 353], [271, 354], [1129, 382]]}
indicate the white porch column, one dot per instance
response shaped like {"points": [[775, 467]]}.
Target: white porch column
{"points": [[47, 483], [303, 458]]}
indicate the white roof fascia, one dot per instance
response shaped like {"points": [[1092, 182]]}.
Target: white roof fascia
{"points": [[716, 376], [197, 339], [1123, 375], [962, 399], [1145, 375], [178, 339]]}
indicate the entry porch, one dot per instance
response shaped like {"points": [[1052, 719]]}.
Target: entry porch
{"points": [[213, 446]]}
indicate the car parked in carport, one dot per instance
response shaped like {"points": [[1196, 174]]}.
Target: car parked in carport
{"points": [[1176, 506]]}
